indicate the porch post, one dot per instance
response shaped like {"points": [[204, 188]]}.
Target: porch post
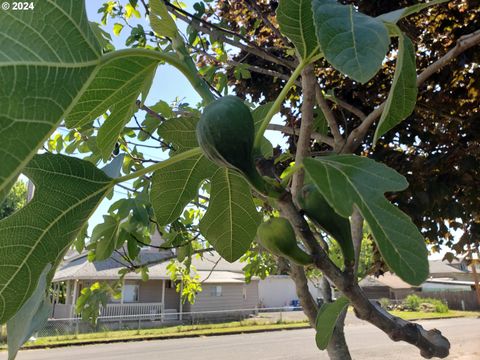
{"points": [[163, 299], [68, 298], [74, 299], [181, 302]]}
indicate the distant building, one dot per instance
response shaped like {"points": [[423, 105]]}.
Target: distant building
{"points": [[388, 286]]}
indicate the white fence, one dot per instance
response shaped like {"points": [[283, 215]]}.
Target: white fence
{"points": [[63, 311]]}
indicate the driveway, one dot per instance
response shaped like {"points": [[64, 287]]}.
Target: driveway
{"points": [[366, 342]]}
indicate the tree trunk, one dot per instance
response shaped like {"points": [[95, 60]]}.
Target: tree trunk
{"points": [[337, 348]]}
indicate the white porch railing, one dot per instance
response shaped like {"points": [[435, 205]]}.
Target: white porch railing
{"points": [[131, 309]]}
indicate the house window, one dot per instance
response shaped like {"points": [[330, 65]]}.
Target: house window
{"points": [[130, 293], [217, 291], [169, 284]]}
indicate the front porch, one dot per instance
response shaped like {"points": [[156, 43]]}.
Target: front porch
{"points": [[153, 299]]}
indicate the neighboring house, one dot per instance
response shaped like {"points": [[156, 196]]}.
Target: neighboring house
{"points": [[388, 286], [442, 277], [223, 285], [447, 284], [279, 291], [464, 263], [443, 269]]}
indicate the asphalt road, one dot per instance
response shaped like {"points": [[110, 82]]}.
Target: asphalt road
{"points": [[366, 342]]}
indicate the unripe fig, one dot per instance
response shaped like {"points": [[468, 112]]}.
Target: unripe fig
{"points": [[323, 215], [226, 133], [277, 236]]}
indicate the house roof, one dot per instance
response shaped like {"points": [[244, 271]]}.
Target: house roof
{"points": [[211, 268], [442, 267], [450, 281], [388, 279]]}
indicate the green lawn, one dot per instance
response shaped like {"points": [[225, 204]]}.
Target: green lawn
{"points": [[165, 332], [409, 315]]}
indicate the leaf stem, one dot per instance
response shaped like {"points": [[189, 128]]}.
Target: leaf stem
{"points": [[278, 101], [174, 159], [178, 60]]}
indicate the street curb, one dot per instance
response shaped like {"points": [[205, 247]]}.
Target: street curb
{"points": [[158, 337]]}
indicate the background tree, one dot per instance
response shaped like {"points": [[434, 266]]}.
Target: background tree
{"points": [[16, 199]]}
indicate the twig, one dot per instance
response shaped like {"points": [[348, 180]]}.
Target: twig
{"points": [[252, 5], [253, 68], [211, 270], [332, 122], [174, 256], [211, 29], [290, 131], [150, 111], [350, 108], [463, 43]]}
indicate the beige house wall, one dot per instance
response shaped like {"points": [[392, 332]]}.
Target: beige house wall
{"points": [[232, 297]]}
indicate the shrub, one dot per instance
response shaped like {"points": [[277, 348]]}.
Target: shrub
{"points": [[440, 306], [384, 303], [416, 303], [412, 302]]}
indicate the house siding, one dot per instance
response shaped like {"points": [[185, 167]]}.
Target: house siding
{"points": [[280, 290], [231, 298], [172, 299], [150, 291]]}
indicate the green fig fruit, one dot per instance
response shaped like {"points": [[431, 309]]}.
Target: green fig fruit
{"points": [[226, 133], [323, 215], [277, 236]]}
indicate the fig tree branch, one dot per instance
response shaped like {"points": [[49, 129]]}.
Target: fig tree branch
{"points": [[297, 273], [332, 122], [214, 30], [463, 43], [306, 126], [431, 343]]}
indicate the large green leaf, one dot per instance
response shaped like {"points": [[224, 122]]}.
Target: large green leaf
{"points": [[68, 190], [105, 237], [354, 43], [403, 94], [394, 16], [47, 57], [231, 220], [173, 187], [161, 21], [296, 22], [326, 320], [180, 132], [118, 83], [31, 316], [348, 180]]}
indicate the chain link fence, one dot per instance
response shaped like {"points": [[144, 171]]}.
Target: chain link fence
{"points": [[71, 328]]}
